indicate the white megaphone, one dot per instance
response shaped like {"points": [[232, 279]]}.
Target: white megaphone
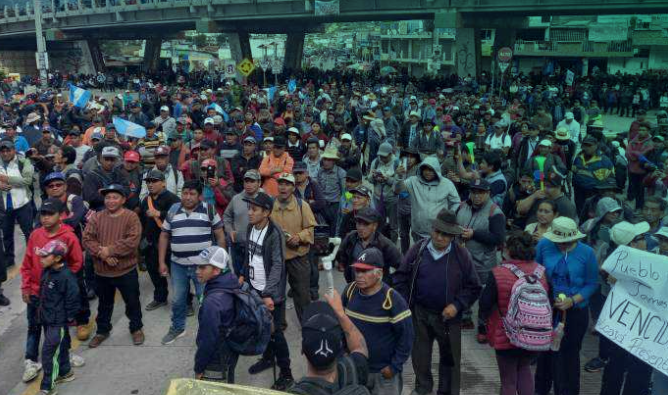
{"points": [[327, 262]]}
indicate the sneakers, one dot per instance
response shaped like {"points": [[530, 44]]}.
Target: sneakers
{"points": [[77, 361], [83, 333], [172, 335], [4, 301], [48, 392], [66, 378], [138, 337], [90, 294], [284, 382], [97, 340], [260, 366], [155, 305], [31, 370], [595, 365], [481, 338], [190, 311]]}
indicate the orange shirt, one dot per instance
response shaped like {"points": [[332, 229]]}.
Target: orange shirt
{"points": [[269, 177]]}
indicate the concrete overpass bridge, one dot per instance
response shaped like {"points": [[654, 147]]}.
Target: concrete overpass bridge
{"points": [[155, 20]]}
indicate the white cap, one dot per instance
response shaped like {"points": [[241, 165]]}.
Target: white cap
{"points": [[546, 143], [662, 232], [624, 232], [569, 115], [346, 136], [214, 256], [209, 120], [164, 108], [294, 130], [414, 114]]}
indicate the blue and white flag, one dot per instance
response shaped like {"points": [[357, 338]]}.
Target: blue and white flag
{"points": [[271, 91], [129, 129], [220, 111], [79, 96], [292, 85]]}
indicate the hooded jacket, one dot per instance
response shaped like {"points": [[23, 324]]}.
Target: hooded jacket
{"points": [[429, 197], [273, 258], [31, 268], [215, 314]]}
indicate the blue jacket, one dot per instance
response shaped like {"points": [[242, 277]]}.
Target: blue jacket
{"points": [[582, 268], [589, 173], [216, 312]]}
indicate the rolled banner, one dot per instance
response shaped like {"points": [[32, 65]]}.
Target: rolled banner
{"points": [[541, 168]]}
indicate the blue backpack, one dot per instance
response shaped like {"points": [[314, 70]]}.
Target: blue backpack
{"points": [[252, 328]]}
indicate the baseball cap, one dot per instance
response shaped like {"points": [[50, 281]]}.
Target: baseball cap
{"points": [[214, 256], [253, 175], [7, 143], [279, 141], [367, 215], [74, 132], [207, 144], [56, 175], [163, 150], [322, 336], [53, 247], [545, 143], [590, 140], [299, 167], [480, 184], [110, 126], [131, 156], [346, 137], [111, 152], [51, 206], [294, 130], [569, 115], [96, 136], [624, 232], [287, 177], [151, 125], [369, 259], [361, 190], [250, 139], [208, 121], [155, 174], [354, 173], [261, 200], [120, 189], [164, 108]]}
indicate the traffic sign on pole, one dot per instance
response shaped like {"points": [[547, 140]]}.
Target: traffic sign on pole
{"points": [[505, 54], [230, 69], [503, 66], [246, 67]]}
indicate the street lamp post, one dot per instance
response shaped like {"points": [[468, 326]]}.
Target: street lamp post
{"points": [[42, 58]]}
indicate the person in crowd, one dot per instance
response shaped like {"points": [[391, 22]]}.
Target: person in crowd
{"points": [[490, 170], [331, 179], [178, 151], [173, 177], [112, 238], [572, 271], [274, 165], [636, 153], [500, 138], [105, 173], [438, 279], [16, 182], [427, 141], [131, 171], [589, 169], [383, 317], [152, 213], [265, 269], [235, 218], [148, 144], [367, 235], [215, 361], [312, 157], [189, 228], [346, 366], [514, 362], [407, 168], [429, 192], [571, 125], [546, 213], [553, 191], [382, 175], [248, 159]]}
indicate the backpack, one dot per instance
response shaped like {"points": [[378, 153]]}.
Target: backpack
{"points": [[528, 322], [252, 328], [348, 381]]}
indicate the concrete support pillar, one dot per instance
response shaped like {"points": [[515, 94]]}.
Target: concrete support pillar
{"points": [[96, 54], [294, 51], [240, 46], [466, 60], [152, 54]]}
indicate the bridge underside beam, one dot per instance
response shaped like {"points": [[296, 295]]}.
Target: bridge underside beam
{"points": [[294, 51]]}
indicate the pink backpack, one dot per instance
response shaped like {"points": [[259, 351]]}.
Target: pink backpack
{"points": [[528, 322]]}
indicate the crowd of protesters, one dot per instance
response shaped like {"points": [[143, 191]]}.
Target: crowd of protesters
{"points": [[444, 195]]}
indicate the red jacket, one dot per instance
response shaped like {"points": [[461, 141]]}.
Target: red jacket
{"points": [[31, 268], [638, 147], [496, 335]]}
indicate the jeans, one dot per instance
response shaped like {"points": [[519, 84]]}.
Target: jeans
{"points": [[562, 368], [237, 252], [299, 278], [391, 227], [128, 286], [379, 385], [638, 374], [181, 276], [331, 214], [223, 371], [55, 355], [278, 347], [636, 189], [160, 286], [404, 231], [24, 217], [430, 326], [34, 330], [515, 374]]}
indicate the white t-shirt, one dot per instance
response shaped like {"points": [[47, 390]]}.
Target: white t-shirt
{"points": [[258, 277], [81, 152], [498, 142]]}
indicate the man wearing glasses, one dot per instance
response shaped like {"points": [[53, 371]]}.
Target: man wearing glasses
{"points": [[103, 174]]}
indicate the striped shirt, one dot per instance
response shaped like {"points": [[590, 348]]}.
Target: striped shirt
{"points": [[190, 234]]}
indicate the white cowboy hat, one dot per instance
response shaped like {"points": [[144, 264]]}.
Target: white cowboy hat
{"points": [[564, 230]]}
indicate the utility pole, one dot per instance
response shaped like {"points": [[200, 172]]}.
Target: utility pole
{"points": [[41, 56]]}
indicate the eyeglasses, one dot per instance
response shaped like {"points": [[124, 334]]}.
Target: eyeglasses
{"points": [[55, 185]]}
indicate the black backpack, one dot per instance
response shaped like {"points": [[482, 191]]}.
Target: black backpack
{"points": [[348, 382]]}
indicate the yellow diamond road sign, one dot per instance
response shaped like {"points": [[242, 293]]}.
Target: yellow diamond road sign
{"points": [[246, 67]]}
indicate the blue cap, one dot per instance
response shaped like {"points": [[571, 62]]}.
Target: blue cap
{"points": [[387, 108], [56, 175]]}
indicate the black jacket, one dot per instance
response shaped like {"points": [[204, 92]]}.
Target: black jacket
{"points": [[273, 257], [391, 254], [150, 228], [58, 297], [313, 196], [97, 179], [240, 165]]}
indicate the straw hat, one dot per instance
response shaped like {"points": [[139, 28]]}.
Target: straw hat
{"points": [[564, 230], [330, 153]]}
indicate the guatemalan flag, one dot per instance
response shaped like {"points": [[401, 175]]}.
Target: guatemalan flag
{"points": [[129, 129], [220, 111], [79, 96], [292, 85]]}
